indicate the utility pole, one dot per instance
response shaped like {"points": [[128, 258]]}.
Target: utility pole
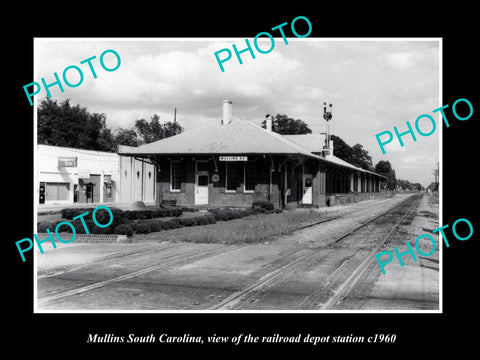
{"points": [[436, 172], [175, 122], [327, 115]]}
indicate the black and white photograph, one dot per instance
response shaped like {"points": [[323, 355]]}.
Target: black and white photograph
{"points": [[231, 179], [253, 186]]}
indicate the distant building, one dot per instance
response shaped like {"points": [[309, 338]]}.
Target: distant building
{"points": [[235, 162], [70, 176]]}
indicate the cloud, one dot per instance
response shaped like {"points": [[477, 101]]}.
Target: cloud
{"points": [[373, 85]]}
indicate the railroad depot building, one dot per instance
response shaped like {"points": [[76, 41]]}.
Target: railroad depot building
{"points": [[77, 176], [234, 162]]}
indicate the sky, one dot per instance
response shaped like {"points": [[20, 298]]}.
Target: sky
{"points": [[373, 85]]}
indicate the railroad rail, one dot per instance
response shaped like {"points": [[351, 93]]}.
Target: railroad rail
{"points": [[176, 259], [182, 254], [289, 262]]}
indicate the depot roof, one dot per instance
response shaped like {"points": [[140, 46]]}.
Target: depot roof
{"points": [[240, 136]]}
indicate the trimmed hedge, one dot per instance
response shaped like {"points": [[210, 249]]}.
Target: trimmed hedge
{"points": [[155, 226], [125, 214], [188, 221], [263, 204], [202, 220], [42, 227], [71, 213], [144, 221], [143, 228], [170, 224], [220, 216], [124, 229], [151, 214], [210, 218]]}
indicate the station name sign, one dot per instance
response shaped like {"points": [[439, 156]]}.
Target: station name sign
{"points": [[233, 158], [67, 161]]}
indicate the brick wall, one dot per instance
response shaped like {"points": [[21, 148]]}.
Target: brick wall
{"points": [[217, 196]]}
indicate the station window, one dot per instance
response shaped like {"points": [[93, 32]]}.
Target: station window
{"points": [[175, 176], [231, 176], [249, 176]]}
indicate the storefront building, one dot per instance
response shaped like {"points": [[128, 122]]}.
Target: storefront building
{"points": [[77, 176]]}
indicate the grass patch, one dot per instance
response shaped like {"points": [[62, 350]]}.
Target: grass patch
{"points": [[251, 229]]}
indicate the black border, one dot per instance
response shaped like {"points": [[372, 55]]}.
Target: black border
{"points": [[427, 333]]}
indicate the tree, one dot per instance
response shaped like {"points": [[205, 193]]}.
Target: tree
{"points": [[341, 149], [284, 125], [72, 126], [385, 168], [152, 131], [126, 137], [360, 157], [171, 128]]}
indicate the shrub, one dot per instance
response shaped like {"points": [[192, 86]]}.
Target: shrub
{"points": [[143, 228], [269, 206], [123, 229], [99, 230], [259, 203], [164, 225], [138, 204], [70, 213], [178, 222], [248, 212], [43, 226], [63, 228], [171, 224], [103, 217], [210, 218], [157, 213], [188, 222], [66, 213], [239, 214], [130, 215], [133, 225], [230, 214], [144, 214], [220, 215], [202, 220], [80, 229], [166, 212], [155, 226]]}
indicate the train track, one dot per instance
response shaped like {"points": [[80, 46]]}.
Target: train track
{"points": [[185, 256], [173, 255], [107, 259], [343, 290], [287, 265]]}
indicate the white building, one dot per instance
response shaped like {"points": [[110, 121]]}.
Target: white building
{"points": [[69, 176]]}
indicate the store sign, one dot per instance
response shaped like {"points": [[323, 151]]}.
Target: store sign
{"points": [[83, 173], [233, 158], [67, 161]]}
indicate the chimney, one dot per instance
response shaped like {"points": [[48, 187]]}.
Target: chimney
{"points": [[227, 112], [268, 122], [328, 149]]}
